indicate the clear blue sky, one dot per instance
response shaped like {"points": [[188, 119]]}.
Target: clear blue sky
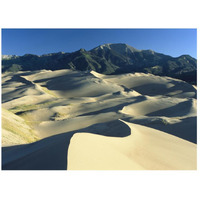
{"points": [[174, 42]]}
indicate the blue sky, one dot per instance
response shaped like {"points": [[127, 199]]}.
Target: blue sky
{"points": [[174, 42]]}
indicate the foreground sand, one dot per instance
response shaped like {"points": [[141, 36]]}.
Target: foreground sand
{"points": [[86, 120], [145, 148]]}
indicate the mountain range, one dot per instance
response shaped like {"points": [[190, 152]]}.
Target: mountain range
{"points": [[108, 59]]}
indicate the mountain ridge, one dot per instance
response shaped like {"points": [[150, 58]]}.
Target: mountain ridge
{"points": [[108, 58], [102, 45]]}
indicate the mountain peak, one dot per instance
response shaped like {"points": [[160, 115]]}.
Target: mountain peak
{"points": [[82, 50], [118, 47]]}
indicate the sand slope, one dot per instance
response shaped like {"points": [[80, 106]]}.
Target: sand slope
{"points": [[148, 84], [15, 130], [157, 131], [145, 148]]}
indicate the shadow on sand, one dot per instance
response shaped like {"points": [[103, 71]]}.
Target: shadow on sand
{"points": [[51, 153]]}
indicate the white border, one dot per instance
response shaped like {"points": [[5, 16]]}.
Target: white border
{"points": [[169, 185]]}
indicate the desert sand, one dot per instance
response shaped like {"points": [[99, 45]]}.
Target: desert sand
{"points": [[76, 120], [145, 148]]}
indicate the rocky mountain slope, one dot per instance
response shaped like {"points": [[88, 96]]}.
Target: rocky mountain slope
{"points": [[108, 59]]}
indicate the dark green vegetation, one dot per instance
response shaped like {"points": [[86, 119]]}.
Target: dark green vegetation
{"points": [[109, 59]]}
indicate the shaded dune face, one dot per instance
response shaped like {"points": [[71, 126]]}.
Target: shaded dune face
{"points": [[86, 120], [114, 128], [151, 85], [77, 84], [47, 154], [162, 107], [44, 153]]}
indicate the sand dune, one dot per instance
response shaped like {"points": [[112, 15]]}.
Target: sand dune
{"points": [[74, 84], [157, 128], [52, 152], [145, 148], [169, 107], [185, 128], [148, 84]]}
